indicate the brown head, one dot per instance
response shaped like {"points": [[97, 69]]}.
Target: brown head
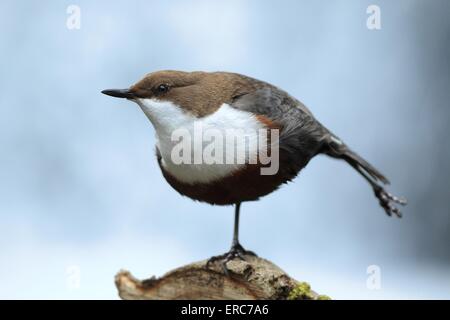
{"points": [[198, 93]]}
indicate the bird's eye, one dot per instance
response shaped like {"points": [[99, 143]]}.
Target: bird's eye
{"points": [[162, 88]]}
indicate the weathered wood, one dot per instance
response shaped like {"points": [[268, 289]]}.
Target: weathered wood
{"points": [[252, 279]]}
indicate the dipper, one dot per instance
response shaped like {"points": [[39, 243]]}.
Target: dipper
{"points": [[174, 100]]}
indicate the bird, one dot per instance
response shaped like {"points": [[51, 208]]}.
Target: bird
{"points": [[224, 100]]}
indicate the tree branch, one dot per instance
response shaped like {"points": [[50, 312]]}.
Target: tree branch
{"points": [[252, 279]]}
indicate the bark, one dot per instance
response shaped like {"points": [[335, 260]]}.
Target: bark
{"points": [[252, 279]]}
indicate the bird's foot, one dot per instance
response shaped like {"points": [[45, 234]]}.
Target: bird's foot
{"points": [[388, 201], [236, 252]]}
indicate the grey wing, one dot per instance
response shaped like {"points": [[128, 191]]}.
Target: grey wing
{"points": [[301, 135]]}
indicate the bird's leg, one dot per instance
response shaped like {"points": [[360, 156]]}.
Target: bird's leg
{"points": [[235, 245], [236, 250], [387, 200]]}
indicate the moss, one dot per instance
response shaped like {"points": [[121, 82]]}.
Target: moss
{"points": [[323, 297], [301, 292]]}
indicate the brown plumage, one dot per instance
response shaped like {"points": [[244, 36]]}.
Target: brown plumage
{"points": [[200, 93]]}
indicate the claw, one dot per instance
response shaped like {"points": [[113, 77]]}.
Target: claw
{"points": [[387, 201], [236, 252], [391, 197]]}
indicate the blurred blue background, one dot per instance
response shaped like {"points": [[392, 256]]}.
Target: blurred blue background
{"points": [[81, 194]]}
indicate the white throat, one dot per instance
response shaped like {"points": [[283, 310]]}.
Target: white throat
{"points": [[167, 117]]}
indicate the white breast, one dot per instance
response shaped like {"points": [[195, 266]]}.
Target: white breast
{"points": [[167, 117]]}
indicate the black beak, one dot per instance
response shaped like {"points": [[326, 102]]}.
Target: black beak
{"points": [[119, 93]]}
